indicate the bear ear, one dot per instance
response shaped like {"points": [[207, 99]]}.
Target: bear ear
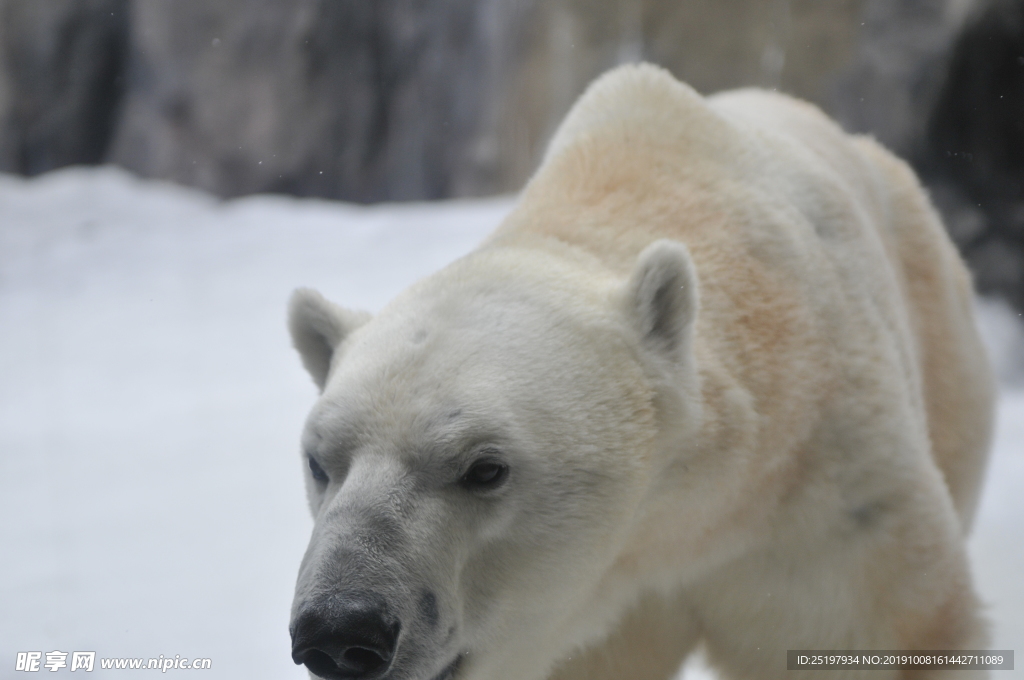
{"points": [[318, 326], [663, 298]]}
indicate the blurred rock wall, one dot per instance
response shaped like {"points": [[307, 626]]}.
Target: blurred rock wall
{"points": [[405, 99], [973, 155], [357, 100], [409, 99], [61, 65]]}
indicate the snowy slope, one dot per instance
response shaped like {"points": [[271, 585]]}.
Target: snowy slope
{"points": [[150, 408]]}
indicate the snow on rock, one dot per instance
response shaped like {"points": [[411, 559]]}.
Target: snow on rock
{"points": [[151, 404]]}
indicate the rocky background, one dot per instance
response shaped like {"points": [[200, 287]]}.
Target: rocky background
{"points": [[410, 99]]}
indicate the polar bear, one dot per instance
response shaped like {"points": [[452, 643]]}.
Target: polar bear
{"points": [[714, 380]]}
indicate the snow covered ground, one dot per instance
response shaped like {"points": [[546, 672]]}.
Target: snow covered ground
{"points": [[150, 408]]}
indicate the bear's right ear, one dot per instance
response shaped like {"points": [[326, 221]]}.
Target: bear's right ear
{"points": [[318, 326], [663, 298]]}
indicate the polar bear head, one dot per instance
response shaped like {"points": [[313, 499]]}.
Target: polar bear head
{"points": [[478, 456]]}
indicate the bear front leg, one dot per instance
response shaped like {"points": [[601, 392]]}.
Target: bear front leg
{"points": [[649, 643]]}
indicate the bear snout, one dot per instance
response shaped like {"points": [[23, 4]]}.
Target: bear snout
{"points": [[350, 636]]}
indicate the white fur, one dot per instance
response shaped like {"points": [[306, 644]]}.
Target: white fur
{"points": [[727, 353]]}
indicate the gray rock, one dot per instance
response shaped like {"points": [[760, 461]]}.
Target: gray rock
{"points": [[975, 143], [399, 99], [60, 81], [405, 99], [349, 99], [891, 83]]}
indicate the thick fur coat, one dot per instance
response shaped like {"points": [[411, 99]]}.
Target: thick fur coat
{"points": [[715, 379]]}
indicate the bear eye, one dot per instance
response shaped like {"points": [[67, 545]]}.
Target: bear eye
{"points": [[318, 472], [485, 474]]}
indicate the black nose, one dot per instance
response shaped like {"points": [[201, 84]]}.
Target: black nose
{"points": [[345, 637]]}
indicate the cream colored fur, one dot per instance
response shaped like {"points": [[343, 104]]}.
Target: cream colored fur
{"points": [[734, 354]]}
